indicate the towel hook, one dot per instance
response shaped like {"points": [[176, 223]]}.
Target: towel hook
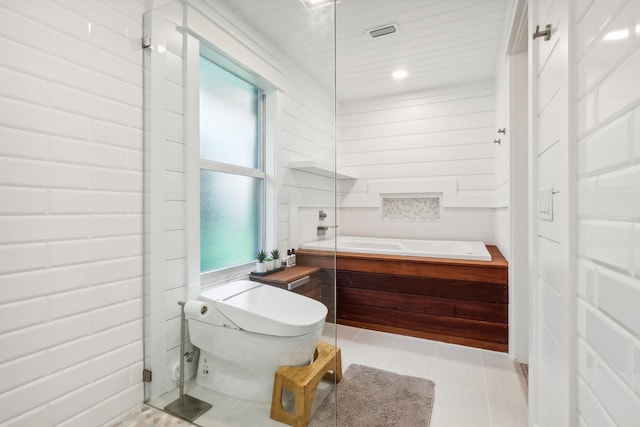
{"points": [[546, 33], [502, 131], [496, 141]]}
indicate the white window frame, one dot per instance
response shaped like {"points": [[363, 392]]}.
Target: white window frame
{"points": [[196, 47]]}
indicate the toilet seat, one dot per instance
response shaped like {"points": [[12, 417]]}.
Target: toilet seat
{"points": [[265, 309]]}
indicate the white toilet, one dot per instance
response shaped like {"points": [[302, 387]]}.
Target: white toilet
{"points": [[250, 331]]}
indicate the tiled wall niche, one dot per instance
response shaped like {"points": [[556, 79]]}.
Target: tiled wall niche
{"points": [[411, 208]]}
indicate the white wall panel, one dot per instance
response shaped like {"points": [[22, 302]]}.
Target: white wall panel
{"points": [[408, 144]]}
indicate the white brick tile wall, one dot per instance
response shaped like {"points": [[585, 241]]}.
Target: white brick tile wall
{"points": [[608, 242], [78, 301], [36, 88], [79, 420], [619, 194], [620, 90], [607, 147], [36, 417], [28, 340], [92, 346], [116, 315], [611, 391], [86, 397], [19, 143], [44, 390], [23, 370], [609, 200], [25, 229], [27, 285], [104, 411], [115, 270], [115, 180], [23, 200], [71, 160], [14, 258], [593, 414], [610, 341], [21, 314], [619, 297], [65, 201], [116, 135]]}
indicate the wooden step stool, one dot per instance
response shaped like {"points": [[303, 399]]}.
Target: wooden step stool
{"points": [[303, 382]]}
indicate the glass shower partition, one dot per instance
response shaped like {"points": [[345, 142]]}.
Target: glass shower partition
{"points": [[297, 129]]}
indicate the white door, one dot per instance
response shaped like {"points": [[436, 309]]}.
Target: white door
{"points": [[552, 357]]}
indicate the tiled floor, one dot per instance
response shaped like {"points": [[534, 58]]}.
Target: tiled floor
{"points": [[473, 387]]}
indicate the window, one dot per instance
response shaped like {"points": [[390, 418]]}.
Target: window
{"points": [[232, 175]]}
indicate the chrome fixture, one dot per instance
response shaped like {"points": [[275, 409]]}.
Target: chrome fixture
{"points": [[322, 215], [496, 141], [546, 33], [185, 406], [502, 131]]}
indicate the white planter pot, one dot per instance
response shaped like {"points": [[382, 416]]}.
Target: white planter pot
{"points": [[261, 267], [269, 265], [277, 263]]}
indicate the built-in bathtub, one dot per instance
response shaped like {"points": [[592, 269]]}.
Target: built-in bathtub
{"points": [[454, 249], [383, 286]]}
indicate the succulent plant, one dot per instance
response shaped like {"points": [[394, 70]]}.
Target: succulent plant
{"points": [[275, 254], [261, 255]]}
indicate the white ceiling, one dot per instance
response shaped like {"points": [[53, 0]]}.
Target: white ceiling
{"points": [[440, 42]]}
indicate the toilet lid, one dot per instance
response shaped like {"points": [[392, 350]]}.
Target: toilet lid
{"points": [[268, 310]]}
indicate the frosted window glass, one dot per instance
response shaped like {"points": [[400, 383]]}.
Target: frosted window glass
{"points": [[230, 232], [229, 109]]}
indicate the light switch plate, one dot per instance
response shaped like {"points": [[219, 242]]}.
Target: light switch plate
{"points": [[545, 204]]}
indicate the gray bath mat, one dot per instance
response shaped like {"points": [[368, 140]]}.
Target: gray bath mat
{"points": [[370, 397]]}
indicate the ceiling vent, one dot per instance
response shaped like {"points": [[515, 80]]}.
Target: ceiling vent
{"points": [[385, 30]]}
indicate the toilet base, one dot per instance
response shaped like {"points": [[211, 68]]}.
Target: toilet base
{"points": [[248, 384]]}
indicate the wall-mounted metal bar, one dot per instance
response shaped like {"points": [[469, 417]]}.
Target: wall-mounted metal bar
{"points": [[546, 33], [301, 281]]}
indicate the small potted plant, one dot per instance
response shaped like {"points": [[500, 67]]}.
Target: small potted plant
{"points": [[269, 261], [261, 266], [275, 254]]}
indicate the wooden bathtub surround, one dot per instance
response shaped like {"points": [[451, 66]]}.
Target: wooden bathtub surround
{"points": [[457, 301], [303, 382]]}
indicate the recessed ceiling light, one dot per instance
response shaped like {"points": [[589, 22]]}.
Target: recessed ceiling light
{"points": [[399, 74], [314, 4]]}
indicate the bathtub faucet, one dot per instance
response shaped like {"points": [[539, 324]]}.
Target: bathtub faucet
{"points": [[322, 229]]}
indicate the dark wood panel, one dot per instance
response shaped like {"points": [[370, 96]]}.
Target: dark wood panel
{"points": [[466, 328], [447, 288], [424, 304]]}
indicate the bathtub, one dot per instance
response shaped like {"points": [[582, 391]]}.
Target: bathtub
{"points": [[453, 249]]}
